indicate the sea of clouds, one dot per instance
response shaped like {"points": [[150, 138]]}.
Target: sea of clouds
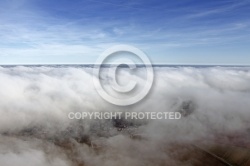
{"points": [[35, 128]]}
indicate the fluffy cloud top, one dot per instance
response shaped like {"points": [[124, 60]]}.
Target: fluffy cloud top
{"points": [[35, 128]]}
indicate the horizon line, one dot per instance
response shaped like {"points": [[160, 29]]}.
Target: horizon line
{"points": [[169, 64]]}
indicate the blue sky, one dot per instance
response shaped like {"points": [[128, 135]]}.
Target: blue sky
{"points": [[172, 32]]}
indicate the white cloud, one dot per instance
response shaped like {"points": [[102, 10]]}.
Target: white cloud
{"points": [[35, 102]]}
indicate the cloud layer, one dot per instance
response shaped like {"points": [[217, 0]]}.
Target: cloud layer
{"points": [[35, 129]]}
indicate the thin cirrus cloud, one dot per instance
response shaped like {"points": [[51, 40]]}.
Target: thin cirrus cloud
{"points": [[170, 32]]}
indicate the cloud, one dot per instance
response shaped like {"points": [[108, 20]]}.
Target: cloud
{"points": [[228, 7], [35, 128], [51, 50], [24, 154], [33, 27]]}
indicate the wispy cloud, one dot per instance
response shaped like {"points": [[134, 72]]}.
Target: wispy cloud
{"points": [[228, 7], [86, 28]]}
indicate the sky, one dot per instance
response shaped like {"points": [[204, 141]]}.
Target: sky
{"points": [[168, 31]]}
